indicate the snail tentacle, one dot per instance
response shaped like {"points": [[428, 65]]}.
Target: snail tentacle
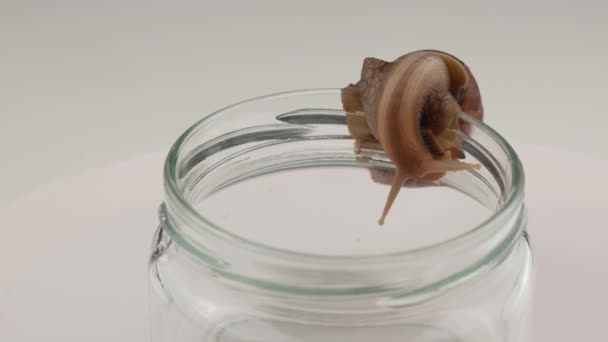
{"points": [[398, 180]]}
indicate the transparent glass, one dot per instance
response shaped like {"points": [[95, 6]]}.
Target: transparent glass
{"points": [[268, 233]]}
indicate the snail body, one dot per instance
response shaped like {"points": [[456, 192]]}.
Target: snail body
{"points": [[409, 108]]}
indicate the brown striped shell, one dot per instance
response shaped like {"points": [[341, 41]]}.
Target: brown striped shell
{"points": [[409, 109]]}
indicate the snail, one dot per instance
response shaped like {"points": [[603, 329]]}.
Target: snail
{"points": [[408, 108]]}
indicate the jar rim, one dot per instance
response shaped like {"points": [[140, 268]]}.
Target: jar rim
{"points": [[513, 199]]}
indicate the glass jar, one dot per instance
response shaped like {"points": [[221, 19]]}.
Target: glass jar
{"points": [[268, 233]]}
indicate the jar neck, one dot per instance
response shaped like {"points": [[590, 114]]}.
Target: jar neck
{"points": [[218, 141], [410, 274]]}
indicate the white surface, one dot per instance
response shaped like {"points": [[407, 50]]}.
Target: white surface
{"points": [[339, 211], [83, 83], [73, 258]]}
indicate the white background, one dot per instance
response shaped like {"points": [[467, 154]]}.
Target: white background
{"points": [[72, 266], [83, 83]]}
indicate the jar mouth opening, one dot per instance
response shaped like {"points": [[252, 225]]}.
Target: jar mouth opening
{"points": [[511, 202]]}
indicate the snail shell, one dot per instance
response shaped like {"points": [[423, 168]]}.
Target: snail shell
{"points": [[409, 108]]}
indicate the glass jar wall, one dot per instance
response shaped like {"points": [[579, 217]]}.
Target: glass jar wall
{"points": [[268, 233]]}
